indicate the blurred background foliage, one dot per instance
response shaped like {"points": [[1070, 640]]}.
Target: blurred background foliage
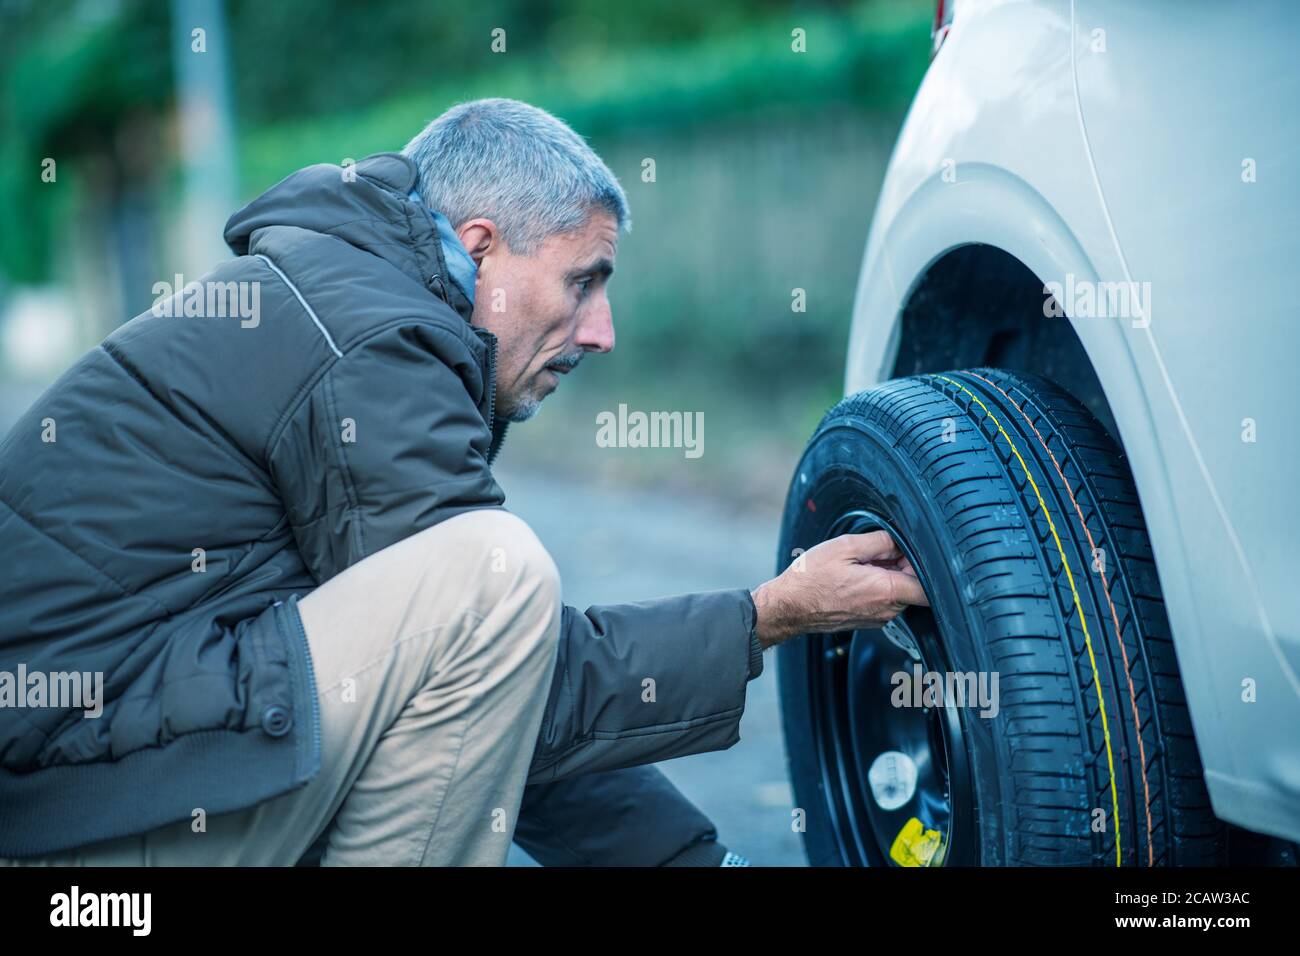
{"points": [[767, 164]]}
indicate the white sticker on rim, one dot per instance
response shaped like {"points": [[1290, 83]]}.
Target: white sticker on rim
{"points": [[892, 779]]}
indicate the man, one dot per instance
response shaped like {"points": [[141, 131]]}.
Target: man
{"points": [[277, 540]]}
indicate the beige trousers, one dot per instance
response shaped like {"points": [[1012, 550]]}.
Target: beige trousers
{"points": [[433, 662]]}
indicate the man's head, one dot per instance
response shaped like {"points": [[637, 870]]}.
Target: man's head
{"points": [[539, 213]]}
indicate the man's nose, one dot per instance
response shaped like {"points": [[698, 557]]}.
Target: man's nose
{"points": [[596, 331]]}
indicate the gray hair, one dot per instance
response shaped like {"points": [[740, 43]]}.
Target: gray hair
{"points": [[517, 165]]}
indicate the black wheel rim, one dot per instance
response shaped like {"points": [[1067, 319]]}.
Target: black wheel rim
{"points": [[896, 776]]}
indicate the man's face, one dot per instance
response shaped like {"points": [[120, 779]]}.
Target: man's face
{"points": [[547, 310]]}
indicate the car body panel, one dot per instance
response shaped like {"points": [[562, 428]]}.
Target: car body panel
{"points": [[1088, 182]]}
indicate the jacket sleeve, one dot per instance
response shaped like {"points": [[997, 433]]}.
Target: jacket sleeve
{"points": [[644, 682], [629, 817], [388, 442]]}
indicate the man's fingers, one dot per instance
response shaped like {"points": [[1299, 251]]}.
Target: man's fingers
{"points": [[907, 589], [873, 546]]}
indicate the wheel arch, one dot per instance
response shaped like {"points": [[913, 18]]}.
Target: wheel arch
{"points": [[977, 305], [956, 274]]}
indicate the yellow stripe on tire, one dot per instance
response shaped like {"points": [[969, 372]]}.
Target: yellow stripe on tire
{"points": [[1083, 620]]}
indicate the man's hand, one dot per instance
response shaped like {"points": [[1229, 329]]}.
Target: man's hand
{"points": [[850, 582]]}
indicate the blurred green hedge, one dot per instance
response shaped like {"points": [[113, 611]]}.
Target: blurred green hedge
{"points": [[321, 80]]}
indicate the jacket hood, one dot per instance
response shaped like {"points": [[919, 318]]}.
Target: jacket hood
{"points": [[371, 205]]}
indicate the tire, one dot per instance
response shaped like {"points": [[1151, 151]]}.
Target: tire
{"points": [[1072, 744]]}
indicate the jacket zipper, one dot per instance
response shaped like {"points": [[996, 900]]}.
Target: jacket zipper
{"points": [[311, 683], [301, 636], [497, 438], [492, 382]]}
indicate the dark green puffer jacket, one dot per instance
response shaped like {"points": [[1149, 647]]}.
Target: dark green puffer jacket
{"points": [[230, 435]]}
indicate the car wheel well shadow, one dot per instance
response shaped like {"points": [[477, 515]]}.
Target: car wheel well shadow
{"points": [[980, 306]]}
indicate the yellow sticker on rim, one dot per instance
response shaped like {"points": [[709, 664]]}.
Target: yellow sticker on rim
{"points": [[915, 845]]}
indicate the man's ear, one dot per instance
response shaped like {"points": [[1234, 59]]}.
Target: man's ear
{"points": [[479, 237]]}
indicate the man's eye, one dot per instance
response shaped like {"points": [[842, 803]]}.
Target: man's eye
{"points": [[584, 285]]}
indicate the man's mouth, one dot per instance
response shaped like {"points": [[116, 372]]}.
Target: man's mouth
{"points": [[564, 365]]}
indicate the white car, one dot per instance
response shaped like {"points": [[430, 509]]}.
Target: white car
{"points": [[1091, 208]]}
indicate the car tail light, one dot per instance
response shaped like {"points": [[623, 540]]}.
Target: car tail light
{"points": [[942, 24]]}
